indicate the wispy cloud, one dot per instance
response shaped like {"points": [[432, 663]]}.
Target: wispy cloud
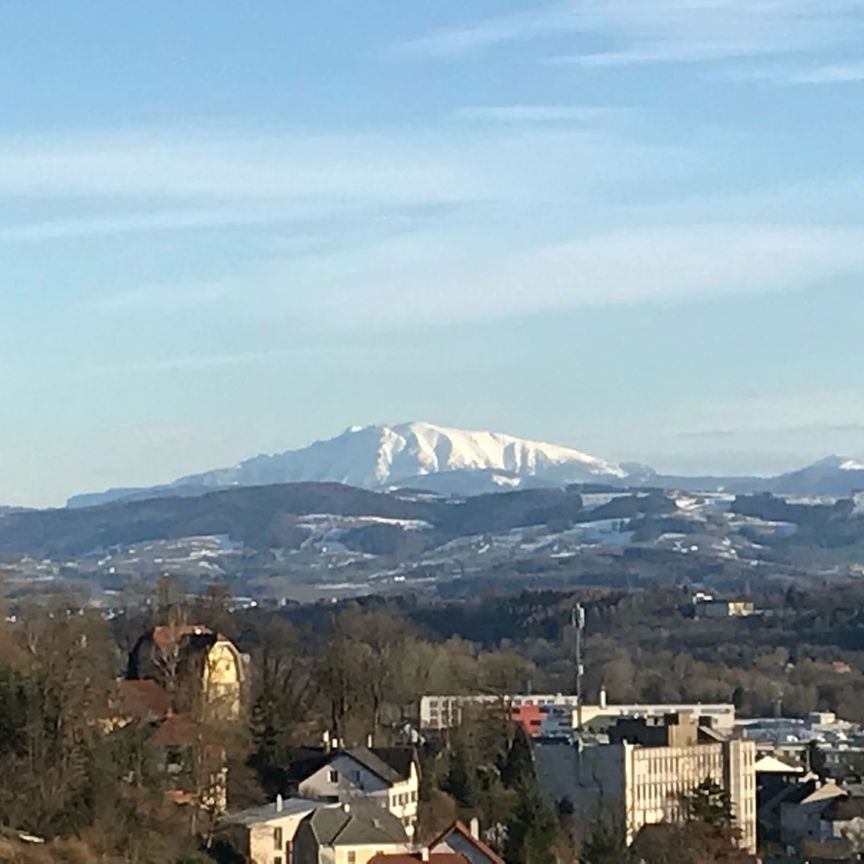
{"points": [[800, 74], [221, 167], [838, 412], [493, 30], [213, 362], [664, 31], [417, 280], [167, 297], [82, 227], [170, 181], [586, 114]]}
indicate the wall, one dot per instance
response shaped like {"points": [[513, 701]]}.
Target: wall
{"points": [[641, 785], [261, 846], [222, 680]]}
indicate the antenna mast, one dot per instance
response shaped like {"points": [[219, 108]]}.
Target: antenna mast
{"points": [[577, 619]]}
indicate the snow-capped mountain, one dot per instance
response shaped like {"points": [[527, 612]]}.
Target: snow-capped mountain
{"points": [[407, 454], [833, 476], [381, 456]]}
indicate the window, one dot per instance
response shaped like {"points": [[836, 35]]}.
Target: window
{"points": [[277, 859], [334, 775], [277, 840], [352, 858]]}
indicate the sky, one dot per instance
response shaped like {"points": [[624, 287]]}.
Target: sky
{"points": [[635, 227]]}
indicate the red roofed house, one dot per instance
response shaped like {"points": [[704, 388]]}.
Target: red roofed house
{"points": [[461, 840]]}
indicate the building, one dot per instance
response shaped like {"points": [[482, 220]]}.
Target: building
{"points": [[801, 814], [557, 715], [349, 834], [265, 835], [445, 712], [465, 841], [544, 721], [202, 671], [193, 764], [640, 777], [724, 609], [388, 777]]}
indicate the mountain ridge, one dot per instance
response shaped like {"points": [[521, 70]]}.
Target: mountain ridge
{"points": [[380, 457], [447, 460]]}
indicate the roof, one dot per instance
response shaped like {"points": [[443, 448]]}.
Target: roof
{"points": [[142, 698], [414, 857], [305, 761], [459, 827], [391, 764], [773, 765], [269, 813], [356, 824], [166, 634], [825, 792]]}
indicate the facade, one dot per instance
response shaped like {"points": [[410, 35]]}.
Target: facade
{"points": [[445, 712], [349, 834], [388, 777], [265, 835], [544, 721], [640, 779], [199, 669]]}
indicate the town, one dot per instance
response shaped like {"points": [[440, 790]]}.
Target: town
{"points": [[433, 432], [359, 737]]}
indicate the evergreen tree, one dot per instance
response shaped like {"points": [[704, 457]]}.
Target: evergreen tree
{"points": [[606, 844], [531, 832], [461, 779], [708, 803], [517, 771]]}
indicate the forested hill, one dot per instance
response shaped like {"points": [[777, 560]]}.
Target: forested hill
{"points": [[259, 516]]}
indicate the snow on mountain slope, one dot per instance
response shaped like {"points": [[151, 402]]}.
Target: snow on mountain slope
{"points": [[376, 456]]}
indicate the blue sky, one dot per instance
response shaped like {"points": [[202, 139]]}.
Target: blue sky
{"points": [[632, 227]]}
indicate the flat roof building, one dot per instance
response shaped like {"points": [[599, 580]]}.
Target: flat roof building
{"points": [[640, 777]]}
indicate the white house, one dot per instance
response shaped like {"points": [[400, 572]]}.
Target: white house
{"points": [[386, 776], [265, 835]]}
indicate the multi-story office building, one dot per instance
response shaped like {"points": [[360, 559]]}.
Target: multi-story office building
{"points": [[640, 777]]}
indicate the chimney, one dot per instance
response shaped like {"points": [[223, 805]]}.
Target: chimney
{"points": [[602, 698], [279, 803], [369, 740], [346, 807], [326, 739], [474, 827], [424, 853]]}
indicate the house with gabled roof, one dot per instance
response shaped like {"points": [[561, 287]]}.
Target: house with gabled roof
{"points": [[460, 839], [353, 833], [388, 777], [266, 834]]}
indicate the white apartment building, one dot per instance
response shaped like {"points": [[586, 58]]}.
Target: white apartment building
{"points": [[642, 784]]}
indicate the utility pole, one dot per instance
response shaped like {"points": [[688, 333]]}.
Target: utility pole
{"points": [[577, 619]]}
